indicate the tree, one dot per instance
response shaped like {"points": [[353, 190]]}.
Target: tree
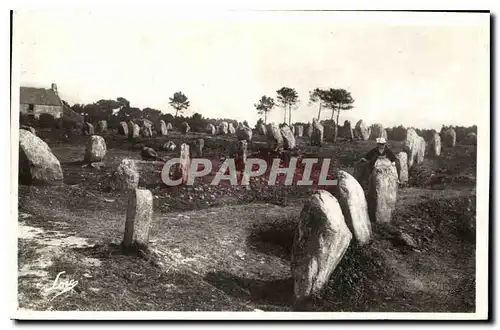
{"points": [[179, 102], [288, 98], [337, 100], [265, 105], [317, 95], [151, 114], [124, 103]]}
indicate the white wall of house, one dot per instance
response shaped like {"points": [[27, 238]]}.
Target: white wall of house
{"points": [[54, 110]]}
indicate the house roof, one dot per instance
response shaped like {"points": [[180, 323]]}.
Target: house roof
{"points": [[40, 96]]}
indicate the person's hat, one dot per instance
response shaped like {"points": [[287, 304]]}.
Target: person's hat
{"points": [[381, 140]]}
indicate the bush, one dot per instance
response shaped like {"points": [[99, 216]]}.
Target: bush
{"points": [[26, 119], [48, 121], [71, 120]]}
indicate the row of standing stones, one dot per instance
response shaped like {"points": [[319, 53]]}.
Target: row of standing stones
{"points": [[328, 221]]}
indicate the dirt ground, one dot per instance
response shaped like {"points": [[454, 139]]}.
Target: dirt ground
{"points": [[228, 248]]}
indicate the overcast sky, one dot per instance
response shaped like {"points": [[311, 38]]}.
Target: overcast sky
{"points": [[413, 69]]}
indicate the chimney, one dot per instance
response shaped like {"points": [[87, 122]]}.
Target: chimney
{"points": [[54, 87]]}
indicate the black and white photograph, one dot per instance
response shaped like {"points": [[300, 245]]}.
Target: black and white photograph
{"points": [[280, 164]]}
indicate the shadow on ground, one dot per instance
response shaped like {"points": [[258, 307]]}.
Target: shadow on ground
{"points": [[273, 292]]}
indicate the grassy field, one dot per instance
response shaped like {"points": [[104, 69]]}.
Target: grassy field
{"points": [[228, 248]]}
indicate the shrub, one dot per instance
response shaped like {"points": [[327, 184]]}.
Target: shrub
{"points": [[48, 121]]}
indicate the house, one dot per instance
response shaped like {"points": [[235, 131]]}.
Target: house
{"points": [[36, 101]]}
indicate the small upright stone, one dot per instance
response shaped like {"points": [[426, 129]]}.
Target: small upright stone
{"points": [[169, 126], [274, 137], [149, 154], [361, 131], [211, 129], [161, 128], [182, 169], [414, 146], [231, 129], [261, 128], [378, 131], [169, 146], [185, 128], [125, 177], [88, 129], [299, 130], [244, 133], [471, 139], [317, 134], [133, 130], [308, 130], [449, 137], [320, 242], [123, 128], [223, 128], [95, 150], [329, 132], [288, 138], [139, 218], [435, 145], [146, 129], [382, 191], [403, 166], [102, 126], [198, 148]]}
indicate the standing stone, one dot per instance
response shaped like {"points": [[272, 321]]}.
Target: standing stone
{"points": [[182, 169], [352, 200], [244, 133], [101, 126], [414, 146], [382, 192], [37, 163], [299, 130], [449, 137], [123, 128], [288, 138], [230, 129], [378, 131], [292, 128], [321, 240], [223, 128], [95, 150], [169, 126], [149, 154], [361, 131], [347, 132], [274, 137], [308, 130], [471, 139], [125, 177], [185, 128], [133, 130], [403, 166], [435, 145], [261, 128], [169, 146], [317, 133], [88, 129], [198, 148], [329, 132], [241, 155], [211, 129], [139, 218], [161, 128], [146, 129], [28, 128]]}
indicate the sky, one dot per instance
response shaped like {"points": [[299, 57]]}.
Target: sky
{"points": [[415, 69]]}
